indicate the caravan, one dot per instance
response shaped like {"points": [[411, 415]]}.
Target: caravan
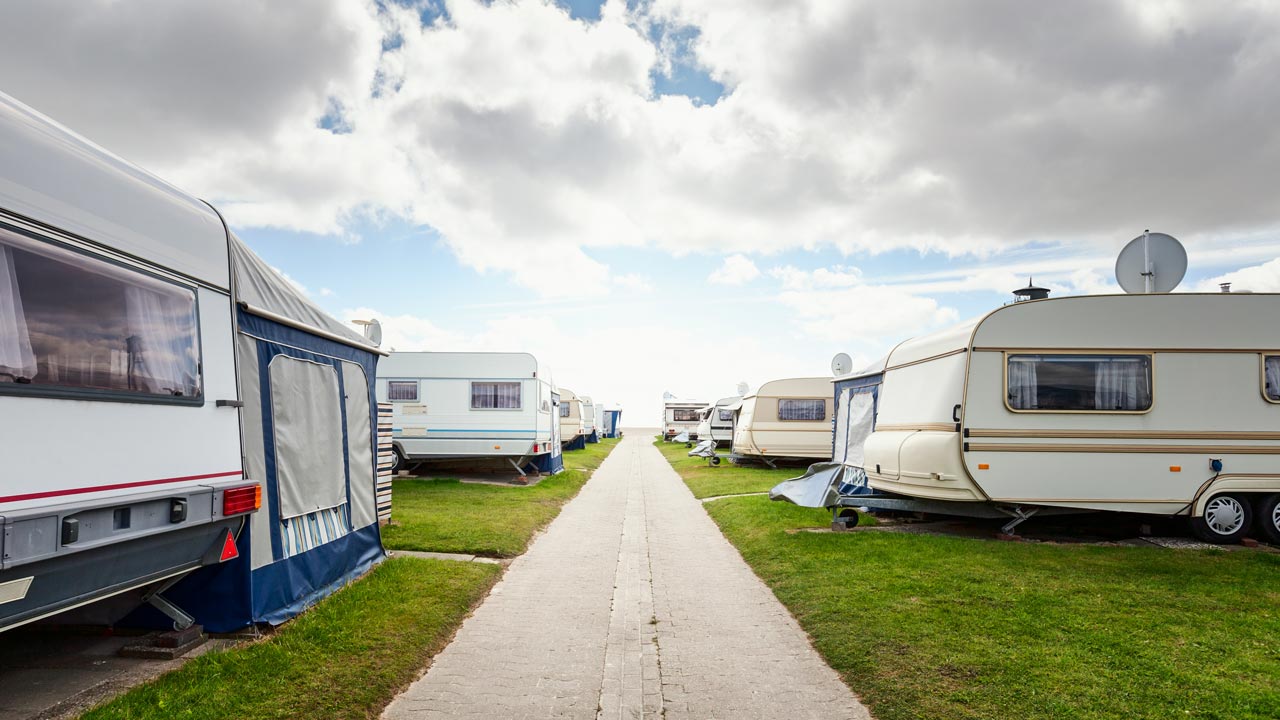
{"points": [[787, 419], [572, 430], [611, 423], [1159, 404], [681, 417], [590, 426], [471, 407], [717, 420], [117, 345]]}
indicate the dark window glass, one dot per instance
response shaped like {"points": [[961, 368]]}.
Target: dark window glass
{"points": [[72, 321], [792, 409], [684, 415], [1098, 383], [495, 396], [402, 390], [726, 415], [1271, 377]]}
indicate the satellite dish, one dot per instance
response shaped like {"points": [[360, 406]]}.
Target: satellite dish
{"points": [[372, 330], [742, 389], [1151, 263], [841, 364]]}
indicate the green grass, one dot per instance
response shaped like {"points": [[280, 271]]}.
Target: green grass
{"points": [[724, 479], [444, 515], [345, 658], [924, 626]]}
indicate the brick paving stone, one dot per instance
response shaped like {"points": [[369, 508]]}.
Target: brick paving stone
{"points": [[630, 605]]}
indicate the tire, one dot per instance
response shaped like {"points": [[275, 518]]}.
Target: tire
{"points": [[397, 460], [715, 461], [1226, 519], [1268, 518]]}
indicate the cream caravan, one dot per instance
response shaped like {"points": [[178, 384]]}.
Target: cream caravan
{"points": [[590, 426], [459, 406], [785, 419], [1160, 404], [717, 420], [572, 430]]}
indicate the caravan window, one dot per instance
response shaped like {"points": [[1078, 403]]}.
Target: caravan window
{"points": [[495, 396], [1079, 383], [402, 390], [684, 415], [71, 324], [726, 415], [1271, 377], [793, 409], [564, 409]]}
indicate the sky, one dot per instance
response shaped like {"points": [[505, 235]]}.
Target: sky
{"points": [[681, 195]]}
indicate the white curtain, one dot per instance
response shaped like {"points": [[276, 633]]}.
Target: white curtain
{"points": [[1273, 377], [860, 423], [1023, 394], [500, 396], [16, 358], [157, 342], [1120, 385]]}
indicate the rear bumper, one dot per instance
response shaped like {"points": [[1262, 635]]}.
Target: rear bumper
{"points": [[65, 581]]}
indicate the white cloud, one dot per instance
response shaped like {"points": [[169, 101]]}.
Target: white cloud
{"points": [[865, 315], [1257, 278], [794, 278], [633, 281], [736, 270], [326, 292], [530, 140]]}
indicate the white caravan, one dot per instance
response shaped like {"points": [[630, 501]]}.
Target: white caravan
{"points": [[1160, 404], [717, 420], [571, 422], [679, 416], [121, 463], [785, 419], [467, 406], [590, 426]]}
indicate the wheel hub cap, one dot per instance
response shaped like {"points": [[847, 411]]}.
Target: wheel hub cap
{"points": [[1224, 515]]}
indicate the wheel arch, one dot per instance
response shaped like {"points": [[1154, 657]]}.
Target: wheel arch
{"points": [[1233, 484]]}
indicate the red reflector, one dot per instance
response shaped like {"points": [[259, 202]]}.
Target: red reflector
{"points": [[229, 549], [241, 500]]}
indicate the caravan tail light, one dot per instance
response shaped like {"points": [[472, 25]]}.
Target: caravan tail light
{"points": [[237, 501]]}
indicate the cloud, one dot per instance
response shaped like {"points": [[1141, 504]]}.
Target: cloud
{"points": [[1256, 278], [736, 270], [530, 141], [633, 281], [865, 315]]}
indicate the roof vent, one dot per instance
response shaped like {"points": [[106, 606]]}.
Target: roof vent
{"points": [[1030, 292], [1224, 287]]}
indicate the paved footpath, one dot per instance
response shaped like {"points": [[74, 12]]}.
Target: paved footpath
{"points": [[630, 605]]}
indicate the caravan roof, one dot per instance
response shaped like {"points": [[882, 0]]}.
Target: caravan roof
{"points": [[466, 365], [59, 178], [786, 387]]}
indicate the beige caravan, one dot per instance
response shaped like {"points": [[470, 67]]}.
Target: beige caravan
{"points": [[785, 419], [1165, 404], [571, 425]]}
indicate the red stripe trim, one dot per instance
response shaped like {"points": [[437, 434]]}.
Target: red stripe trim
{"points": [[117, 486]]}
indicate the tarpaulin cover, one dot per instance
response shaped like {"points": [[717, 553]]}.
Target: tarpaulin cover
{"points": [[821, 485]]}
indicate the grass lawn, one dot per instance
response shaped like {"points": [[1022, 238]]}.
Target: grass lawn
{"points": [[345, 658], [938, 627], [725, 478], [444, 515]]}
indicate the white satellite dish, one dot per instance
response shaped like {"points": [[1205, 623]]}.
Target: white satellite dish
{"points": [[1151, 263], [841, 364], [742, 389], [372, 330]]}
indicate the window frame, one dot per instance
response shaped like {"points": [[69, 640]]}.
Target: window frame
{"points": [[471, 395], [1262, 376], [720, 414], [1150, 355], [417, 390], [56, 392], [696, 417], [781, 400]]}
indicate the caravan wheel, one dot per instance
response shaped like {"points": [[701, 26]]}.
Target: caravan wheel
{"points": [[397, 460], [1226, 519], [1269, 518]]}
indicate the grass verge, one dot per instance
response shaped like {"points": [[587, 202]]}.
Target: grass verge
{"points": [[937, 627], [724, 479], [345, 658], [444, 515]]}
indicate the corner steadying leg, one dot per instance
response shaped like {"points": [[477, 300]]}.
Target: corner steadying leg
{"points": [[1019, 515], [181, 620], [516, 465]]}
